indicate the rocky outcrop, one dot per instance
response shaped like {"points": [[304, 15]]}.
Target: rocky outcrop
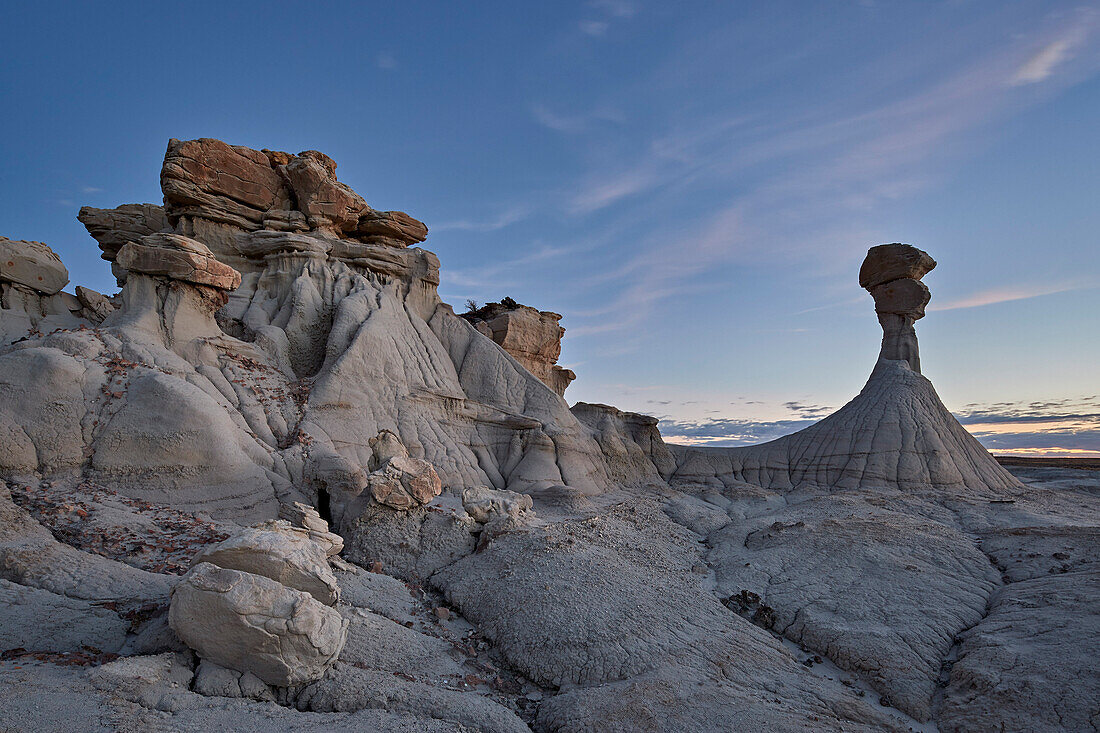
{"points": [[532, 337], [32, 265], [114, 228], [251, 623], [629, 441], [896, 433], [31, 299], [251, 189]]}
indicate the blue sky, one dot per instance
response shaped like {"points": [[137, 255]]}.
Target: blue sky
{"points": [[692, 185]]}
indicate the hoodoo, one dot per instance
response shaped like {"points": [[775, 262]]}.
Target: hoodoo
{"points": [[895, 434]]}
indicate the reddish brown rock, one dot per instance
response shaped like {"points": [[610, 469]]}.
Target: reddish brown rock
{"points": [[393, 228], [403, 483], [179, 258], [327, 203], [212, 180]]}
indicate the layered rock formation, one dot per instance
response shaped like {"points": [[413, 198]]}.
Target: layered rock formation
{"points": [[532, 337], [892, 274], [496, 561]]}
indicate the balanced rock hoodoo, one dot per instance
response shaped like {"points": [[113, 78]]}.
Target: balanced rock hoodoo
{"points": [[892, 274]]}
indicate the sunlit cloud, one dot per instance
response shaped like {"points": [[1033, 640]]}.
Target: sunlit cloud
{"points": [[1004, 295], [603, 192], [1044, 62], [1051, 427]]}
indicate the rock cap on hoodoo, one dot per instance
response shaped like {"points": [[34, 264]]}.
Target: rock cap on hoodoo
{"points": [[887, 262], [179, 258]]}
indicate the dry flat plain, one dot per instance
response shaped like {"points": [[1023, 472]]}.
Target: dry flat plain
{"points": [[275, 483]]}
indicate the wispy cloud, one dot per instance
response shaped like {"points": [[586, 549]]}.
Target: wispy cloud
{"points": [[806, 411], [385, 60], [831, 167], [1044, 62], [492, 279], [603, 191], [605, 11], [594, 27], [1005, 295], [575, 123], [500, 221], [91, 189]]}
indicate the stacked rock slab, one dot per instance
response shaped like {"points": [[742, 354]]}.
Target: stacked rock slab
{"points": [[114, 228], [260, 602], [253, 189], [532, 337], [892, 274]]}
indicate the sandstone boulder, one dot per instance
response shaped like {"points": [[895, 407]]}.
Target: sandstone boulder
{"points": [[403, 483], [887, 262], [327, 203], [94, 306], [33, 265], [904, 297], [392, 228], [285, 554], [251, 623], [179, 258], [485, 504]]}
